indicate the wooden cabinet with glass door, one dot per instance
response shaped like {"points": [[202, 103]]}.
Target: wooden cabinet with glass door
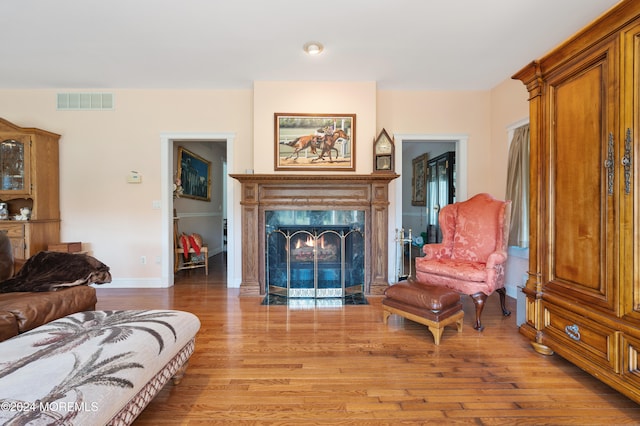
{"points": [[440, 191], [29, 185]]}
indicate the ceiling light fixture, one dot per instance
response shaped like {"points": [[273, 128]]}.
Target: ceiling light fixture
{"points": [[313, 48]]}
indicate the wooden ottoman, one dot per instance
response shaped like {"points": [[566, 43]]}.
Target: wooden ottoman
{"points": [[434, 306], [94, 367]]}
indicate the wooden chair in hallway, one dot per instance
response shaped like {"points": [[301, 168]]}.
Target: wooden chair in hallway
{"points": [[190, 261]]}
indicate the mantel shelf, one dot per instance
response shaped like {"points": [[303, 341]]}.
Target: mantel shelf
{"points": [[381, 177]]}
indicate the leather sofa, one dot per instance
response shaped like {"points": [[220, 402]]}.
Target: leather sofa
{"points": [[23, 311]]}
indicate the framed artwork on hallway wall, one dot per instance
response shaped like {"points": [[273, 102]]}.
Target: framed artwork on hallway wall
{"points": [[195, 175], [419, 181], [315, 141]]}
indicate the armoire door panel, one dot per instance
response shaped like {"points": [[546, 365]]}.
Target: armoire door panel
{"points": [[630, 199], [581, 203]]}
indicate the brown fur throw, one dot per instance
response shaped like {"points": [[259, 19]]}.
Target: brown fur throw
{"points": [[49, 271]]}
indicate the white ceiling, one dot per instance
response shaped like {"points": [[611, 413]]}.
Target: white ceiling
{"points": [[211, 44]]}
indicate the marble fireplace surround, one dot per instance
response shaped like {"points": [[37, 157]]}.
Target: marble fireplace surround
{"points": [[264, 192]]}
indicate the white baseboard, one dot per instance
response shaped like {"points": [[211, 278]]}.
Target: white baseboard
{"points": [[132, 283]]}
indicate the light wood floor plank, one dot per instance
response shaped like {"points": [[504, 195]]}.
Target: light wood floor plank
{"points": [[272, 365]]}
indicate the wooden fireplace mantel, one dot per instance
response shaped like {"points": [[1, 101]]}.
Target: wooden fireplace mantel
{"points": [[263, 192]]}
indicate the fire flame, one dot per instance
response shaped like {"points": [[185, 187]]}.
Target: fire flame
{"points": [[309, 242]]}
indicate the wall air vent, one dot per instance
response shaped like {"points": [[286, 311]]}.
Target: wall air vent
{"points": [[85, 101]]}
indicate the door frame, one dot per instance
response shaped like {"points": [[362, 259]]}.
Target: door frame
{"points": [[395, 189], [166, 194]]}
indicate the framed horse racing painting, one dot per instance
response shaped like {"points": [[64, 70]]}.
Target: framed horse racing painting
{"points": [[315, 141]]}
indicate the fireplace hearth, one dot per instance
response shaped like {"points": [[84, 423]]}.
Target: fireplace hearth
{"points": [[311, 303]]}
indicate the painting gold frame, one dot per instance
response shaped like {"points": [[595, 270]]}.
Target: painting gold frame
{"points": [[195, 175], [314, 141]]}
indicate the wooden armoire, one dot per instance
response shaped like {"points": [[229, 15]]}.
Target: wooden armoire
{"points": [[583, 290]]}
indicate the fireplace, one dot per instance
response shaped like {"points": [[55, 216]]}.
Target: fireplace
{"points": [[319, 236], [315, 253]]}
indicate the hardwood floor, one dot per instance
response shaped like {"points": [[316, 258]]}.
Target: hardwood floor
{"points": [[271, 365]]}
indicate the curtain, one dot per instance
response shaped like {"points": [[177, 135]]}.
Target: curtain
{"points": [[518, 187]]}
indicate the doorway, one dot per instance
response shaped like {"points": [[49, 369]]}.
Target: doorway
{"points": [[204, 216], [409, 146], [167, 177]]}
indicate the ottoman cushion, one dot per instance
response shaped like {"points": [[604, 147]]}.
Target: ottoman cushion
{"points": [[97, 367], [423, 296], [434, 306], [429, 314]]}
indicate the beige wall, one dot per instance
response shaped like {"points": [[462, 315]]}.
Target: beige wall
{"points": [[482, 116], [318, 97], [442, 113], [99, 148], [509, 104]]}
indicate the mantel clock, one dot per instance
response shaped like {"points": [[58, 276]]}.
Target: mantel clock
{"points": [[383, 153]]}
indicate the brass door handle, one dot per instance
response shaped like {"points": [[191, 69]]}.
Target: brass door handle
{"points": [[608, 164], [626, 162]]}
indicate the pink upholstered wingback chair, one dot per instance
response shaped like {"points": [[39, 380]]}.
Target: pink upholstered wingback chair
{"points": [[472, 256]]}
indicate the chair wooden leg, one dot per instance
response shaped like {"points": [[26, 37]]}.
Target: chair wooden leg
{"points": [[176, 260], [478, 300], [503, 297]]}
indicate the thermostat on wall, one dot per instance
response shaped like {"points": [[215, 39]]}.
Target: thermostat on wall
{"points": [[134, 177]]}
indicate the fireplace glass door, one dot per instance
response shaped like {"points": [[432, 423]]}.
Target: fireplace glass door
{"points": [[315, 253]]}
